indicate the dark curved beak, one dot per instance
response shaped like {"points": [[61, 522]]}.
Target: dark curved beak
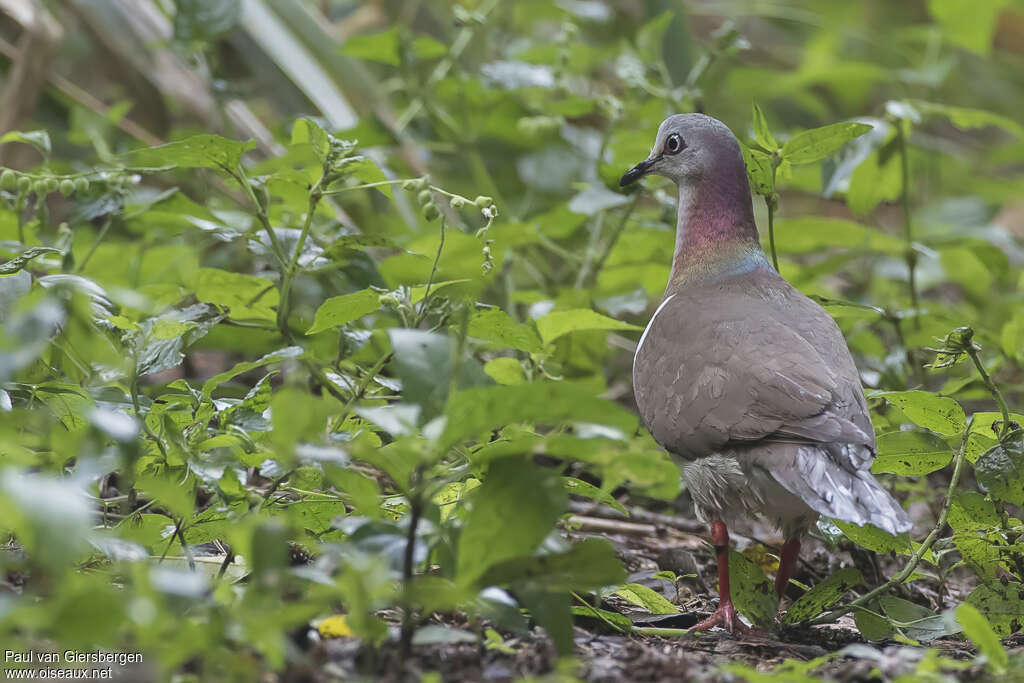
{"points": [[637, 172]]}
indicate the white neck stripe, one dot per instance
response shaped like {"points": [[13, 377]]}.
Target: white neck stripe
{"points": [[647, 329]]}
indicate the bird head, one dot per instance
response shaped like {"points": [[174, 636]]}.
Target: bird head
{"points": [[688, 147]]}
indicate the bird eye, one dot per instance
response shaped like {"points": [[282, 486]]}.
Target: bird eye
{"points": [[674, 144]]}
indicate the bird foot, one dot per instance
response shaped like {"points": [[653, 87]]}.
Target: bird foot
{"points": [[726, 617]]}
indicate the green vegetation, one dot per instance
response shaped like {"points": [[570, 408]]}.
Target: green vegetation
{"points": [[247, 387]]}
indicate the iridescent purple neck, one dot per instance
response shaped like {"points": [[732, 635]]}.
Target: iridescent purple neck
{"points": [[715, 231]]}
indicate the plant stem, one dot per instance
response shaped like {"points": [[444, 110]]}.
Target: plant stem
{"points": [[770, 202], [588, 275], [95, 243], [284, 307], [916, 556], [992, 389], [422, 313], [261, 215], [408, 563], [908, 234]]}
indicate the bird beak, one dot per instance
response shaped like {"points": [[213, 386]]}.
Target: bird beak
{"points": [[637, 172]]}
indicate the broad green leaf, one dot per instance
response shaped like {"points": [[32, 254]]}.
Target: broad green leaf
{"points": [[939, 414], [651, 36], [505, 371], [287, 353], [762, 133], [498, 327], [1002, 605], [587, 565], [308, 132], [426, 364], [875, 179], [474, 411], [552, 610], [646, 597], [198, 151], [341, 310], [39, 139], [875, 539], [915, 621], [759, 171], [247, 297], [557, 323], [1000, 470], [816, 144], [979, 631], [968, 23], [811, 234], [491, 534], [972, 511], [578, 487], [911, 452], [823, 595], [21, 260], [871, 625], [379, 47], [753, 594], [967, 118], [619, 622]]}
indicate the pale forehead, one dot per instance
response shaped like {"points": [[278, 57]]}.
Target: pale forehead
{"points": [[693, 124]]}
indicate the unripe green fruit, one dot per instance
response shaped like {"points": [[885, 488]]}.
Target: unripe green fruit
{"points": [[67, 187], [483, 202], [24, 184], [8, 179], [51, 185], [424, 197], [81, 184], [430, 211], [458, 202], [39, 186]]}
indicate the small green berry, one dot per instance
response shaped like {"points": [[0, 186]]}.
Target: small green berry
{"points": [[8, 179], [39, 186], [67, 187], [51, 185], [458, 202], [424, 197], [24, 184], [483, 201], [430, 211], [81, 184], [409, 185]]}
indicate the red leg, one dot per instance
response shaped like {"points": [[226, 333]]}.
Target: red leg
{"points": [[787, 562], [725, 615]]}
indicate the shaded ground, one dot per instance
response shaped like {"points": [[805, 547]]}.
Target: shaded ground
{"points": [[647, 547]]}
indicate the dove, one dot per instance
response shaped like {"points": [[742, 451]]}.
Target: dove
{"points": [[745, 381]]}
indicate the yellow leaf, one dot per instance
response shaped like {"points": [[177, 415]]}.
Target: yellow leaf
{"points": [[760, 555]]}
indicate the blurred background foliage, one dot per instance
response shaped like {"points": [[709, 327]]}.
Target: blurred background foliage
{"points": [[249, 386]]}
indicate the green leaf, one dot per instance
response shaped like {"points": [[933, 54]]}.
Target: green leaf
{"points": [[557, 323], [491, 534], [618, 622], [759, 171], [752, 593], [871, 625], [247, 297], [376, 47], [341, 310], [824, 595], [198, 151], [505, 371], [287, 353], [873, 538], [578, 487], [205, 20], [875, 179], [915, 621], [816, 234], [499, 328], [967, 118], [177, 498], [474, 411], [911, 452], [816, 144], [972, 511], [979, 631], [21, 260], [968, 23], [308, 132], [423, 361], [651, 36], [1000, 470], [939, 414], [588, 565], [1002, 605], [39, 139], [762, 133], [646, 597]]}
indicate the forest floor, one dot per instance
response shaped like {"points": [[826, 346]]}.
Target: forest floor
{"points": [[605, 656]]}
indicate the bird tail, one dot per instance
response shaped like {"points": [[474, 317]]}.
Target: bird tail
{"points": [[847, 494]]}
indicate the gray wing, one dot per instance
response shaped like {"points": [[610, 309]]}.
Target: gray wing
{"points": [[708, 378]]}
